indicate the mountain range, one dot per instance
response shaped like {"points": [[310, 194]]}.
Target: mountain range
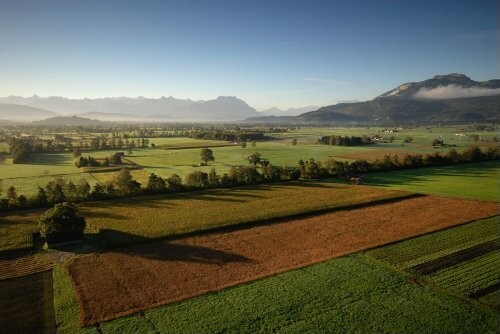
{"points": [[443, 98], [223, 108]]}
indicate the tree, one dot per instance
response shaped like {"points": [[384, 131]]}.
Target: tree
{"points": [[63, 217], [309, 169], [408, 139], [40, 199], [213, 178], [98, 192], [437, 142], [174, 183], [12, 196], [254, 143], [77, 152], [196, 179], [156, 184], [243, 144], [70, 190], [207, 155], [125, 184], [254, 158], [82, 188], [294, 141]]}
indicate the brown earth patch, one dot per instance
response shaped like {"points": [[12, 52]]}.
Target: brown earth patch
{"points": [[131, 279]]}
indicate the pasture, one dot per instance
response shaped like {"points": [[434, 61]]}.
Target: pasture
{"points": [[473, 180], [464, 259], [163, 272]]}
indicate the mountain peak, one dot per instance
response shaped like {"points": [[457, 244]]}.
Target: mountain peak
{"points": [[453, 85], [451, 76]]}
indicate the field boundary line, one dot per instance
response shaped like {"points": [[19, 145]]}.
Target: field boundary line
{"points": [[431, 232], [268, 221]]}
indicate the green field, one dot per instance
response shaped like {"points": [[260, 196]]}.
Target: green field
{"points": [[413, 252], [473, 180], [455, 259], [176, 155], [345, 295]]}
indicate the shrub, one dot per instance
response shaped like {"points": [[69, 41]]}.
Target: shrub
{"points": [[63, 217]]}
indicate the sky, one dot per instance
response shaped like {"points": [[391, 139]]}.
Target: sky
{"points": [[268, 53]]}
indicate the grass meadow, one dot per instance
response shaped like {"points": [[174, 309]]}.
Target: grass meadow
{"points": [[474, 180]]}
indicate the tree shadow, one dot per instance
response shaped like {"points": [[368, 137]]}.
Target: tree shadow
{"points": [[150, 248], [426, 174]]}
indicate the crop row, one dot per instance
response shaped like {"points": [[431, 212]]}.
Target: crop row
{"points": [[430, 247], [456, 258], [470, 276]]}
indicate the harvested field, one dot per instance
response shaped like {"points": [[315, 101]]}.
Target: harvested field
{"points": [[136, 278]]}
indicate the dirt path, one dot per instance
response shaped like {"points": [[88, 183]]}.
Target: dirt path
{"points": [[127, 280]]}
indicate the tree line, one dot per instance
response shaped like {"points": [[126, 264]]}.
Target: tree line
{"points": [[124, 185], [90, 161], [345, 140]]}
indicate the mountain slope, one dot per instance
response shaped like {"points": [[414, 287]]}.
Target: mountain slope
{"points": [[69, 121], [20, 113], [444, 98]]}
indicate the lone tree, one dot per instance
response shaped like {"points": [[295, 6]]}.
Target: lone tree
{"points": [[254, 158], [294, 141], [207, 155], [63, 217]]}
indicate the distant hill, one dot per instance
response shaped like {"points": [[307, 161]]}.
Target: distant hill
{"points": [[19, 113], [223, 108], [69, 121], [444, 98]]}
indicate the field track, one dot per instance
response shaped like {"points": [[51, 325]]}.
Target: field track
{"points": [[130, 279]]}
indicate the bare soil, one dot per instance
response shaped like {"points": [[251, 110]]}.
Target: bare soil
{"points": [[130, 279]]}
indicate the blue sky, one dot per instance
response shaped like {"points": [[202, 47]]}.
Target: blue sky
{"points": [[268, 53]]}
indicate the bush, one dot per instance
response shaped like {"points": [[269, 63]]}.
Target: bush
{"points": [[63, 217]]}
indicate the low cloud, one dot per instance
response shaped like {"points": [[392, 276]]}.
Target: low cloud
{"points": [[454, 92]]}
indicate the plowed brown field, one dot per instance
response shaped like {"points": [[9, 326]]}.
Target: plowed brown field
{"points": [[135, 278]]}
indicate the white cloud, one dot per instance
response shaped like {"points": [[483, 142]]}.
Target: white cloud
{"points": [[453, 92]]}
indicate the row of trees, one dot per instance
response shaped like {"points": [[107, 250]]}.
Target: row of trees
{"points": [[89, 161], [20, 148], [123, 184], [233, 136], [344, 140]]}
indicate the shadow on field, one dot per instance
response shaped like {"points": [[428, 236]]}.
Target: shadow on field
{"points": [[53, 159], [473, 170], [169, 251], [154, 249]]}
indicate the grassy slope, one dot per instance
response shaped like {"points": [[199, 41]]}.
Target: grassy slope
{"points": [[474, 180], [344, 295]]}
